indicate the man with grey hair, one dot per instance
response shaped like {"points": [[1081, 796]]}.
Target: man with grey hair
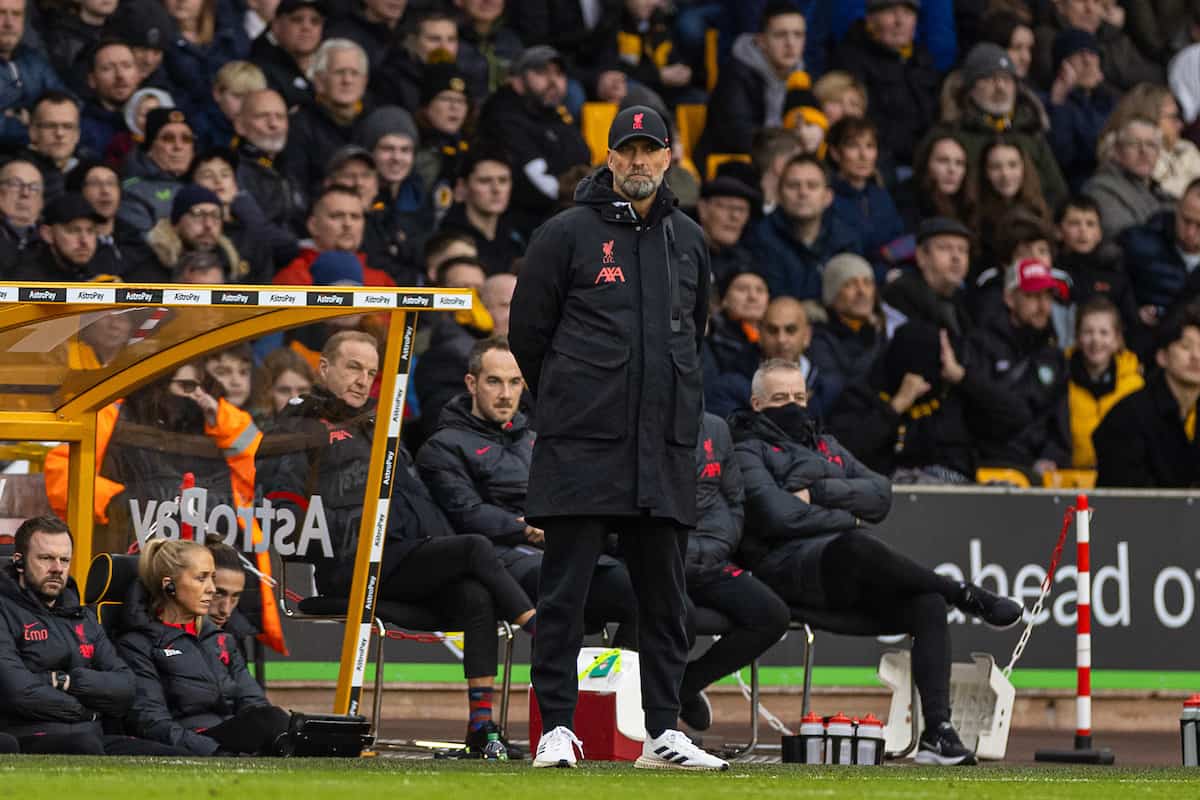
{"points": [[809, 506], [1124, 187], [262, 135], [339, 74]]}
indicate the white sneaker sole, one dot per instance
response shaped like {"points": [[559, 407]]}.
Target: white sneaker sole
{"points": [[654, 762], [932, 759], [562, 763]]}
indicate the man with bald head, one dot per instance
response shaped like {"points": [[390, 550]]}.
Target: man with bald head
{"points": [[785, 333], [262, 133], [496, 294]]}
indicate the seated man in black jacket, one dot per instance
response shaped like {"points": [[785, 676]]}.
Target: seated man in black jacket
{"points": [[807, 502], [917, 415], [1149, 438], [424, 563], [477, 468], [59, 673], [716, 581]]}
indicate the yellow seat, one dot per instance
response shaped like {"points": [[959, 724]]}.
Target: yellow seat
{"points": [[1069, 479], [597, 119], [715, 160], [1014, 477], [712, 39], [689, 118]]}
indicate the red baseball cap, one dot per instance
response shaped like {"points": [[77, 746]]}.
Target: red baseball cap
{"points": [[1031, 276]]}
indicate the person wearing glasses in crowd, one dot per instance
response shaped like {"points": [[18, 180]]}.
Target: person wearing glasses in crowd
{"points": [[21, 201], [154, 172], [53, 137]]}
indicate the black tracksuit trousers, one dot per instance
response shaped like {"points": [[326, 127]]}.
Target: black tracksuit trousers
{"points": [[653, 551]]}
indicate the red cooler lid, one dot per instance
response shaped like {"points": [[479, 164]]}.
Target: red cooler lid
{"points": [[813, 716], [840, 719], [1194, 700]]}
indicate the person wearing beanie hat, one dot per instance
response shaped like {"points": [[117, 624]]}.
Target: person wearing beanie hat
{"points": [[852, 335], [1018, 350], [753, 84], [726, 207], [730, 353], [337, 268], [899, 74], [802, 113], [991, 101], [155, 170], [390, 133], [1079, 104], [441, 117], [840, 270], [195, 223], [148, 29]]}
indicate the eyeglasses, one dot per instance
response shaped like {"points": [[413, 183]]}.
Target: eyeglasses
{"points": [[186, 385], [204, 214], [65, 127], [15, 185]]}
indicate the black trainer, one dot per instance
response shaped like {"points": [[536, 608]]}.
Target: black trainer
{"points": [[942, 747], [999, 612], [696, 712], [476, 740]]}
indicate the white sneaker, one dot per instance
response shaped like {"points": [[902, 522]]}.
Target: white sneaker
{"points": [[557, 748], [673, 750]]}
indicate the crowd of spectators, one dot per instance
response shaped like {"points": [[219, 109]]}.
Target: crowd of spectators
{"points": [[882, 164]]}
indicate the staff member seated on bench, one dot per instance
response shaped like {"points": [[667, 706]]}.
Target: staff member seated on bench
{"points": [[809, 503], [193, 689], [59, 672]]}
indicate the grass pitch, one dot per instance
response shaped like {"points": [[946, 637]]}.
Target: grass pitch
{"points": [[38, 777]]}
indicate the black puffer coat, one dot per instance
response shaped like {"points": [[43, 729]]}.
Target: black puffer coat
{"points": [[607, 321], [185, 682], [719, 498], [36, 640], [844, 495]]}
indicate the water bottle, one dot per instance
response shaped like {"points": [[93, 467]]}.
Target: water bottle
{"points": [[1189, 731], [868, 741], [495, 750], [839, 740], [812, 739]]}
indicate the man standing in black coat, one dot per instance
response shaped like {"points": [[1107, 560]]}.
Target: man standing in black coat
{"points": [[1149, 438], [809, 504], [59, 673], [606, 325]]}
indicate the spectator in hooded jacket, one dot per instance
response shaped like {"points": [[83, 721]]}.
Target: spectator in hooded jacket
{"points": [[1019, 355], [1161, 257], [794, 241], [898, 73], [808, 500], [860, 200], [285, 52], [715, 579], [991, 101], [1149, 438], [754, 82], [60, 673], [1079, 103], [529, 122], [25, 75], [1102, 373], [1124, 187], [194, 691], [476, 466]]}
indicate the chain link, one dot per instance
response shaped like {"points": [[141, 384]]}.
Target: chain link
{"points": [[1038, 607]]}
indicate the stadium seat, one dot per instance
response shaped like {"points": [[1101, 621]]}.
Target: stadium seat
{"points": [[712, 53], [690, 117], [715, 160], [597, 119], [1002, 475], [1069, 479], [320, 609]]}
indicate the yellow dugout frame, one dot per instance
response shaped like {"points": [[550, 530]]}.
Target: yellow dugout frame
{"points": [[43, 397]]}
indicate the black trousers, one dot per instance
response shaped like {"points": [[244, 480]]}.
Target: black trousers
{"points": [[462, 578], [862, 574], [91, 744], [610, 598], [254, 730], [759, 617], [653, 551]]}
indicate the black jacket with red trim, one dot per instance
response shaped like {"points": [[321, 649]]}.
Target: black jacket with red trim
{"points": [[720, 495], [186, 682], [35, 640]]}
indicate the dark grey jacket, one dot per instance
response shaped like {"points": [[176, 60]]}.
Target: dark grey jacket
{"points": [[607, 321], [780, 527], [719, 497]]}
